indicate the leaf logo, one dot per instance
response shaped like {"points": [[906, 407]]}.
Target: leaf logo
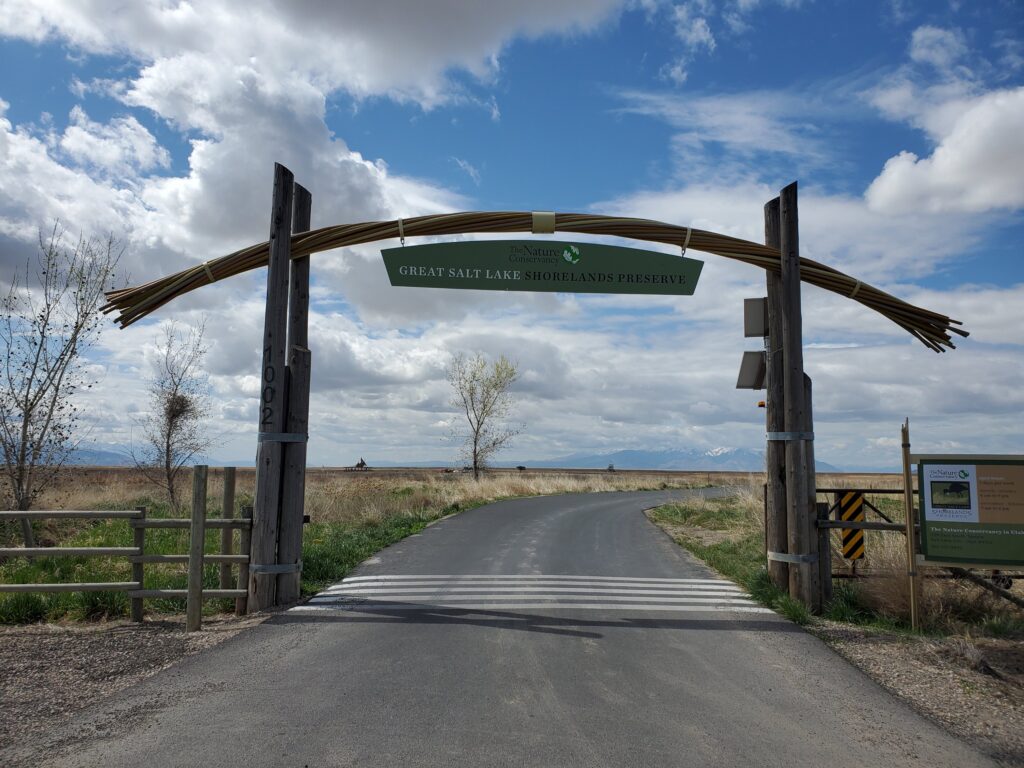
{"points": [[964, 474], [571, 254]]}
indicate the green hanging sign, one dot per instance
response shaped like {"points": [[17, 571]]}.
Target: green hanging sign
{"points": [[541, 265]]}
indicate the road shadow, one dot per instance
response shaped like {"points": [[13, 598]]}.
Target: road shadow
{"points": [[530, 622]]}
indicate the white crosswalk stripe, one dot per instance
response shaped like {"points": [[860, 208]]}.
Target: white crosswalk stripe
{"points": [[529, 591]]}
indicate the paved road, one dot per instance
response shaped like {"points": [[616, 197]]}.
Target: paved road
{"points": [[558, 631]]}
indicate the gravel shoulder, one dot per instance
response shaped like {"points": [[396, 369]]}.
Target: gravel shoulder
{"points": [[973, 687], [48, 672]]}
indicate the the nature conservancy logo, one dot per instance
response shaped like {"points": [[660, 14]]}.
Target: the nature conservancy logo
{"points": [[571, 254], [964, 474]]}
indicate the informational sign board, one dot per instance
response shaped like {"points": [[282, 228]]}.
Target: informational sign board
{"points": [[972, 509], [541, 265]]}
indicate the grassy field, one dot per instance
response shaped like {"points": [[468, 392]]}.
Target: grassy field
{"points": [[728, 534], [352, 515]]}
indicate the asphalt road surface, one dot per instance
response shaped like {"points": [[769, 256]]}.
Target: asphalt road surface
{"points": [[555, 631]]}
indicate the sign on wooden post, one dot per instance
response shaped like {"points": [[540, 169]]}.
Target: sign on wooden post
{"points": [[851, 509]]}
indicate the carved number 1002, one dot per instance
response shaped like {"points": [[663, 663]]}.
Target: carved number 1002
{"points": [[267, 395]]}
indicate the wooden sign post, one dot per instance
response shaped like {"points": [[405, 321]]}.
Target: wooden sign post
{"points": [[776, 536], [267, 501], [798, 427], [289, 549]]}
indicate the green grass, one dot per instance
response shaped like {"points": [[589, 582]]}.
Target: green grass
{"points": [[740, 559], [330, 551]]}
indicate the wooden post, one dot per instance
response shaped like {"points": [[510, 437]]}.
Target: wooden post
{"points": [[244, 543], [776, 537], [138, 572], [194, 604], [908, 507], [267, 500], [819, 544], [289, 550], [227, 507], [803, 573]]}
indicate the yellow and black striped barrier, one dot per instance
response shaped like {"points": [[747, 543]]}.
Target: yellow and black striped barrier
{"points": [[851, 509]]}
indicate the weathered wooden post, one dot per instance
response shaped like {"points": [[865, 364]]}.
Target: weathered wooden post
{"points": [[775, 453], [244, 545], [197, 541], [289, 553], [803, 571], [227, 511], [267, 500], [820, 544], [138, 568]]}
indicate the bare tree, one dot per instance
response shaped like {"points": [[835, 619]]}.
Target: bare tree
{"points": [[50, 316], [173, 432], [482, 394]]}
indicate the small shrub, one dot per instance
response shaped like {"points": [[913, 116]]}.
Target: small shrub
{"points": [[22, 608], [846, 605], [97, 606], [792, 609]]}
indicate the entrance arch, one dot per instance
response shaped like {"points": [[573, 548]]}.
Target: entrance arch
{"points": [[275, 556]]}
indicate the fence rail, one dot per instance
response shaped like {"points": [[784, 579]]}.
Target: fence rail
{"points": [[136, 555]]}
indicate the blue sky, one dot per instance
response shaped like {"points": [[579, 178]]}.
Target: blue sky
{"points": [[903, 122]]}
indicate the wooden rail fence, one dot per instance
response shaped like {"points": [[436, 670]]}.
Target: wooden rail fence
{"points": [[136, 554]]}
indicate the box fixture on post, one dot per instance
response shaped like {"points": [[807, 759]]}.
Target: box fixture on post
{"points": [[752, 371], [755, 318]]}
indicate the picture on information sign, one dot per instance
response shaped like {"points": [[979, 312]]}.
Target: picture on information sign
{"points": [[956, 495]]}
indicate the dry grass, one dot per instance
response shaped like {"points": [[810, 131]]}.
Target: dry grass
{"points": [[947, 605], [334, 495]]}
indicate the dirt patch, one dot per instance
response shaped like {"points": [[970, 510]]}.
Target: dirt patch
{"points": [[50, 671], [975, 688]]}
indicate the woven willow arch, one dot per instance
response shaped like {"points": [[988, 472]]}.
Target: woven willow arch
{"points": [[932, 329]]}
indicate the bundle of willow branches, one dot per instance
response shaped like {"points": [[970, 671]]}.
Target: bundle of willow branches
{"points": [[930, 328]]}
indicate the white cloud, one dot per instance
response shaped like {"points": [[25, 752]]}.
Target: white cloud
{"points": [[942, 48], [977, 166], [402, 49], [121, 147]]}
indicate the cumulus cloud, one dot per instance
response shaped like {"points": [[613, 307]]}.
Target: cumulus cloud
{"points": [[977, 166]]}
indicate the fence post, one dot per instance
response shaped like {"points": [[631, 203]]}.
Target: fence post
{"points": [[138, 572], [227, 534], [244, 542], [194, 605]]}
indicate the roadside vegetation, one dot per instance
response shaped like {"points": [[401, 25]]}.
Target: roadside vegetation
{"points": [[352, 515], [728, 534]]}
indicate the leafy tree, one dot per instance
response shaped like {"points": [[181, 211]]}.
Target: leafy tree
{"points": [[49, 316], [179, 403], [481, 392]]}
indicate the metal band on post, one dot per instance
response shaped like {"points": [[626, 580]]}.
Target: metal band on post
{"points": [[782, 557], [282, 437], [276, 568], [785, 436]]}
